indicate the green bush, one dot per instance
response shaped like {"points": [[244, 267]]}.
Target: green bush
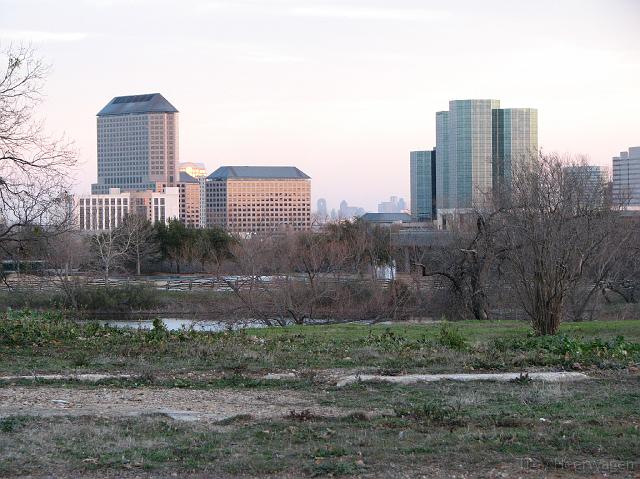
{"points": [[24, 328], [450, 337], [115, 298], [572, 348]]}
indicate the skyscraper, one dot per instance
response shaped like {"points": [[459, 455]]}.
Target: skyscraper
{"points": [[515, 138], [137, 143], [626, 178], [477, 144], [423, 185], [322, 209], [442, 159]]}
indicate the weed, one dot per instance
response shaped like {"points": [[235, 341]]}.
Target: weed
{"points": [[450, 337], [13, 423], [523, 378], [432, 412], [302, 416]]}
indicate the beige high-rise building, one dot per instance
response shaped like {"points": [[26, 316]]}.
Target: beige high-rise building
{"points": [[137, 143], [197, 170], [256, 199]]}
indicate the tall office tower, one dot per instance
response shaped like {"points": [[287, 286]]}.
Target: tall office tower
{"points": [[322, 209], [442, 159], [515, 139], [626, 178], [477, 141], [137, 143], [423, 185], [255, 199]]}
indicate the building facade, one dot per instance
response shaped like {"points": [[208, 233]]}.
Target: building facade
{"points": [[477, 144], [626, 178], [100, 212], [137, 143], [196, 170], [322, 212], [189, 199], [394, 205], [258, 199], [515, 139], [422, 171]]}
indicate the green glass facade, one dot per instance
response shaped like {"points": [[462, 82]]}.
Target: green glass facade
{"points": [[477, 143], [515, 139], [423, 185]]}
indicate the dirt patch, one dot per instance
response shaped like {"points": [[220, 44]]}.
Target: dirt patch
{"points": [[182, 404]]}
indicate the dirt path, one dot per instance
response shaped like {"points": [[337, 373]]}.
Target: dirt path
{"points": [[182, 404]]}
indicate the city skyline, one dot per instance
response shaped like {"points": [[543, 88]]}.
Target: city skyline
{"points": [[331, 87]]}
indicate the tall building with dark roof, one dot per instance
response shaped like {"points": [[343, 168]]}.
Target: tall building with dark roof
{"points": [[137, 143], [258, 199]]}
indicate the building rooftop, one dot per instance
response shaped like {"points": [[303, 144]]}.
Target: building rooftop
{"points": [[258, 173], [133, 104], [386, 218], [186, 178]]}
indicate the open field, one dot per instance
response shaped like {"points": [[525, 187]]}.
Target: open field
{"points": [[199, 405]]}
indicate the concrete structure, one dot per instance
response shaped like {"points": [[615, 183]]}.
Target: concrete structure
{"points": [[477, 144], [137, 143], [422, 172], [196, 170], [386, 219], [256, 199], [626, 178], [101, 212], [190, 203]]}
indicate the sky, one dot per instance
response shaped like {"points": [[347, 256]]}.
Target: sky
{"points": [[342, 89]]}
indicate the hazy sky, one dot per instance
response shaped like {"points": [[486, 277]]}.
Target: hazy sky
{"points": [[342, 89]]}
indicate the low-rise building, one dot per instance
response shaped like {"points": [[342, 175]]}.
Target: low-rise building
{"points": [[256, 199], [106, 211], [386, 219], [189, 199]]}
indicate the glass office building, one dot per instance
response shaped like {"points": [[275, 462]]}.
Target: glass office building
{"points": [[423, 185], [477, 143], [515, 139], [442, 159]]}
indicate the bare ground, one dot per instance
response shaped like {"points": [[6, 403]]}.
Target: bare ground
{"points": [[184, 404]]}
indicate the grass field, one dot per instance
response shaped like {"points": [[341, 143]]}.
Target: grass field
{"points": [[445, 429]]}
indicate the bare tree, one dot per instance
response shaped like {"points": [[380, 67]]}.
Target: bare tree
{"points": [[65, 254], [468, 258], [143, 244], [557, 223], [35, 168], [111, 249]]}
